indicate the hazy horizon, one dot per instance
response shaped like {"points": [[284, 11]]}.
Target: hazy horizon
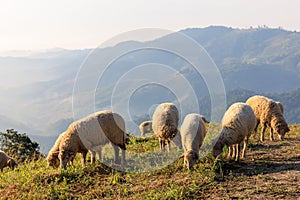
{"points": [[34, 26]]}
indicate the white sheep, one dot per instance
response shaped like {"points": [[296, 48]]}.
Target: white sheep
{"points": [[164, 123], [6, 161], [52, 157], [145, 127], [94, 131], [268, 113], [237, 125], [192, 132]]}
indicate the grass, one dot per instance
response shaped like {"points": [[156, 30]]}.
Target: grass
{"points": [[271, 170]]}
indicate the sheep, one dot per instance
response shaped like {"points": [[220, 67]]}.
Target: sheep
{"points": [[91, 133], [52, 157], [268, 113], [193, 132], [145, 127], [164, 123], [237, 125], [6, 161]]}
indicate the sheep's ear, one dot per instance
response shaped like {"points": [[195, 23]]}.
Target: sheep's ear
{"points": [[180, 157]]}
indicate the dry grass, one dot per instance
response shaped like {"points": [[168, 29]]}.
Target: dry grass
{"points": [[270, 171]]}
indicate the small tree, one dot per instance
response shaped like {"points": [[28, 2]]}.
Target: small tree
{"points": [[19, 145]]}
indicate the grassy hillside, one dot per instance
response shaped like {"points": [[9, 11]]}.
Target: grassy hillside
{"points": [[271, 170]]}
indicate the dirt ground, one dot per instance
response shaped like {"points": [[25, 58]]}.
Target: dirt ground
{"points": [[270, 171]]}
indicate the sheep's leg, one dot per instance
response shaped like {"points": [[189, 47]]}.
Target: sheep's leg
{"points": [[116, 150], [262, 133], [123, 161], [100, 153], [233, 147], [245, 146], [162, 145], [169, 146], [71, 161], [83, 157], [255, 129], [62, 164], [237, 152], [230, 152], [93, 156], [271, 134]]}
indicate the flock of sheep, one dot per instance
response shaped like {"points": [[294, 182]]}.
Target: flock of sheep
{"points": [[91, 133]]}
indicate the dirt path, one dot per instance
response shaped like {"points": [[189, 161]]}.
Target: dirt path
{"points": [[270, 171]]}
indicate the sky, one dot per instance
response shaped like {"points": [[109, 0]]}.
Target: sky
{"points": [[33, 25]]}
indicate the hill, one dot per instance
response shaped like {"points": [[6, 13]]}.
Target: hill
{"points": [[270, 171], [258, 59]]}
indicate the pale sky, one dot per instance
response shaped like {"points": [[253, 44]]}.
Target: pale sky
{"points": [[78, 24]]}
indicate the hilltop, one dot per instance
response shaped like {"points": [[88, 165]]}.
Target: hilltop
{"points": [[270, 171]]}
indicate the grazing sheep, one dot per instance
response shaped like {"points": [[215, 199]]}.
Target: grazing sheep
{"points": [[193, 132], [164, 123], [268, 113], [91, 133], [52, 157], [145, 127], [6, 161], [237, 125]]}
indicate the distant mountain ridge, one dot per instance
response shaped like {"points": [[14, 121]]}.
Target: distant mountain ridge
{"points": [[270, 56]]}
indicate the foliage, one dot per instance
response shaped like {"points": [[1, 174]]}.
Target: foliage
{"points": [[19, 145]]}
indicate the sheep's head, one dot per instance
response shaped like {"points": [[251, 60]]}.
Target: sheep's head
{"points": [[219, 142], [12, 163], [281, 129], [65, 157], [52, 161], [190, 158]]}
